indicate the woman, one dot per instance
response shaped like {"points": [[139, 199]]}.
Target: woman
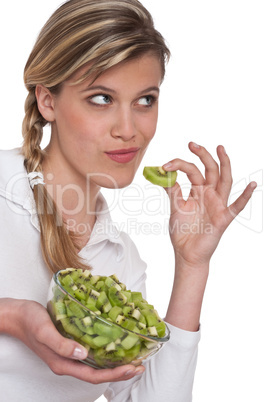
{"points": [[94, 75]]}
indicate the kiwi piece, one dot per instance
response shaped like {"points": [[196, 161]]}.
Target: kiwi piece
{"points": [[109, 356], [161, 329], [59, 310], [86, 274], [150, 316], [115, 278], [73, 309], [100, 286], [101, 340], [129, 341], [110, 282], [152, 331], [80, 294], [144, 305], [67, 281], [129, 323], [120, 319], [102, 328], [136, 297], [127, 310], [74, 273], [103, 303], [115, 312], [94, 279], [89, 340], [70, 327], [116, 297], [93, 296], [136, 314], [157, 175], [111, 347], [84, 324], [91, 305], [132, 353]]}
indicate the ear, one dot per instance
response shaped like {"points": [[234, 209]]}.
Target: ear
{"points": [[45, 102]]}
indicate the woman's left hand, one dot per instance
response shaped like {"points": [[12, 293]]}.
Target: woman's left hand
{"points": [[197, 224]]}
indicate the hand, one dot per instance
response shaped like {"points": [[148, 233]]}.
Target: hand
{"points": [[197, 224], [35, 328]]}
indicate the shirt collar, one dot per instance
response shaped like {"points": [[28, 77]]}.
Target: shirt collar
{"points": [[104, 228]]}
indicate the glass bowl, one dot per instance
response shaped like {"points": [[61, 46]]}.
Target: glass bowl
{"points": [[109, 344]]}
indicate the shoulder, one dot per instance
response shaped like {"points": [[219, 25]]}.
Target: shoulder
{"points": [[14, 154], [14, 183], [129, 244], [11, 162]]}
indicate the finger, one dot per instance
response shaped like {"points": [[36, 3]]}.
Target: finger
{"points": [[192, 172], [211, 166], [237, 206], [88, 374], [121, 373], [225, 180]]}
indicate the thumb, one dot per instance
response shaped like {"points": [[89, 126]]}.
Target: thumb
{"points": [[175, 196], [62, 346]]}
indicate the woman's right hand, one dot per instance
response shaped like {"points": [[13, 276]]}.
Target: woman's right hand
{"points": [[30, 322]]}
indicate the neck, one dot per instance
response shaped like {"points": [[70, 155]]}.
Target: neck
{"points": [[75, 198]]}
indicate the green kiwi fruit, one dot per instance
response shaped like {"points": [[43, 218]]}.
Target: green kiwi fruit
{"points": [[157, 175], [108, 345]]}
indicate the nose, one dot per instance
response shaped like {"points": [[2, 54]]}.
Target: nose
{"points": [[124, 124]]}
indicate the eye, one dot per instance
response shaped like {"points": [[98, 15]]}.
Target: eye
{"points": [[100, 99], [148, 100]]}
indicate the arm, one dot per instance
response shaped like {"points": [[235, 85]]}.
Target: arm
{"points": [[196, 226]]}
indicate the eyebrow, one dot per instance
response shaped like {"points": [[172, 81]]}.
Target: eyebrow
{"points": [[109, 90]]}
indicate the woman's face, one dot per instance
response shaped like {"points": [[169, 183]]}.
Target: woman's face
{"points": [[101, 130]]}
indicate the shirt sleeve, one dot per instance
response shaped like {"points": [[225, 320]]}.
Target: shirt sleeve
{"points": [[169, 375]]}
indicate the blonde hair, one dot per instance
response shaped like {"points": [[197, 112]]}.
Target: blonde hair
{"points": [[98, 33]]}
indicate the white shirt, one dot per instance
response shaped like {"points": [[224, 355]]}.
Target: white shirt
{"points": [[25, 377]]}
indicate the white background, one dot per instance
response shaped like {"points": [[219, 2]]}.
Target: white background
{"points": [[215, 92]]}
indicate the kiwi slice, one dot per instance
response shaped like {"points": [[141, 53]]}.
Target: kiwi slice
{"points": [[60, 310], [70, 327], [116, 297], [129, 341], [111, 355], [108, 345], [157, 175], [114, 313]]}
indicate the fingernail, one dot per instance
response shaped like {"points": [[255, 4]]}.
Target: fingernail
{"points": [[80, 353], [167, 165], [224, 150], [195, 145], [139, 370], [129, 372]]}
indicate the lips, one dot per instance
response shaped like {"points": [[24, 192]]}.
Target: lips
{"points": [[123, 155]]}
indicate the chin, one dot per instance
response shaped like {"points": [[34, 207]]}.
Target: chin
{"points": [[108, 181]]}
